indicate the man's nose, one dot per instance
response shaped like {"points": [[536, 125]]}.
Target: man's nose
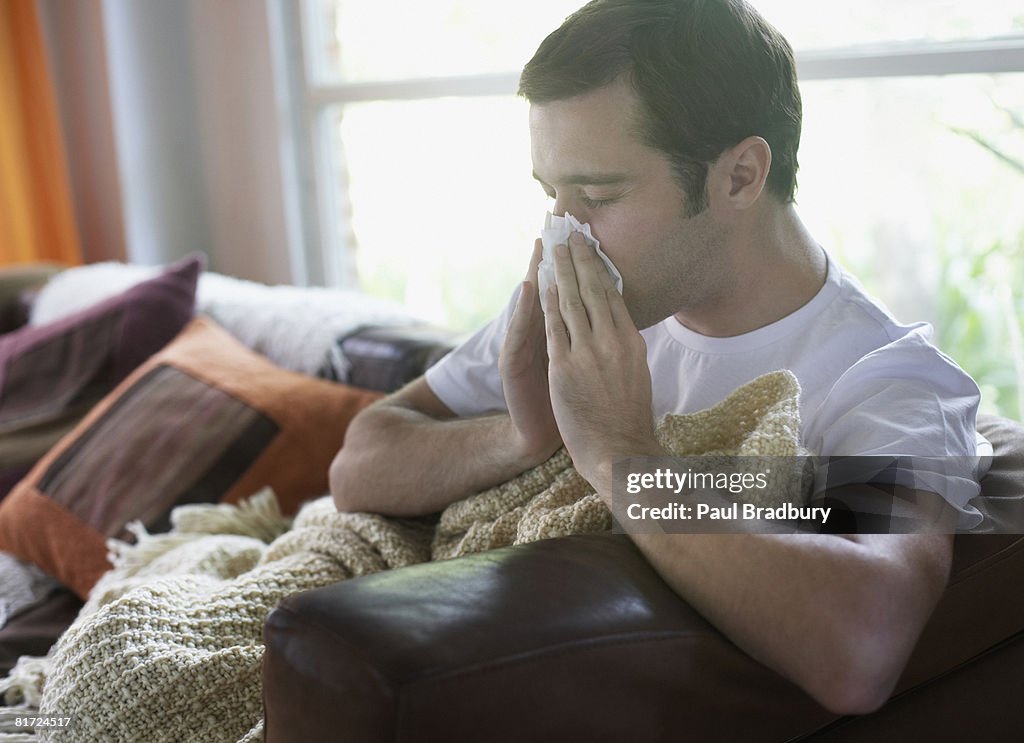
{"points": [[565, 204]]}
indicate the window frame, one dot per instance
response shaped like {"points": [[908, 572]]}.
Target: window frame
{"points": [[324, 255]]}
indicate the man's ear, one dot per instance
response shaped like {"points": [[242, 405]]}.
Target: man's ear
{"points": [[741, 171]]}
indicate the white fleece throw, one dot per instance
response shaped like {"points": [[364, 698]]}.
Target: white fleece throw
{"points": [[169, 646]]}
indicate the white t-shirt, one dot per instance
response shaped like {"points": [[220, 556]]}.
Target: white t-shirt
{"points": [[869, 385]]}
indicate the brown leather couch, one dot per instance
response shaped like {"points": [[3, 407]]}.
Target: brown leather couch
{"points": [[577, 639]]}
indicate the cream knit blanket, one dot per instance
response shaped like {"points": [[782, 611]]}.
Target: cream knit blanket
{"points": [[169, 645]]}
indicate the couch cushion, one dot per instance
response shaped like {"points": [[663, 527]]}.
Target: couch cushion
{"points": [[296, 327], [387, 358], [50, 375], [979, 608], [206, 419], [963, 679], [1003, 485], [17, 282], [34, 631], [22, 586]]}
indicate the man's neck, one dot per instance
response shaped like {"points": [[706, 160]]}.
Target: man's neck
{"points": [[776, 268]]}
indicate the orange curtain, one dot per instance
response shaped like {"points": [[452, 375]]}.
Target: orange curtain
{"points": [[37, 221]]}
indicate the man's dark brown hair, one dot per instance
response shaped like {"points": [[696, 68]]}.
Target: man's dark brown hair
{"points": [[708, 73]]}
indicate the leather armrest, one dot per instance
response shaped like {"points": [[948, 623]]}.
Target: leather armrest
{"points": [[570, 639], [578, 639]]}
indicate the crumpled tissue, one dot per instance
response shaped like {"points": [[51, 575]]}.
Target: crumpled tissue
{"points": [[556, 232]]}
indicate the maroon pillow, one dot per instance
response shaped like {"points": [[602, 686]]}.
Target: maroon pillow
{"points": [[50, 375]]}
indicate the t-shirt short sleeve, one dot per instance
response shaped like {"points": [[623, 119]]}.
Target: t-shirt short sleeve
{"points": [[467, 380], [908, 402]]}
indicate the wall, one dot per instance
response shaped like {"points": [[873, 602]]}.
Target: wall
{"points": [[238, 122], [171, 128], [76, 42]]}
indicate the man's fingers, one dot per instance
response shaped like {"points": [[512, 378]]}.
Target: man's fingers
{"points": [[520, 316], [616, 303], [556, 332], [535, 259], [593, 281], [600, 292], [570, 304], [619, 311], [588, 299], [524, 311]]}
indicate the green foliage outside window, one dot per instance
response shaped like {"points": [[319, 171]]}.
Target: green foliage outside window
{"points": [[980, 303]]}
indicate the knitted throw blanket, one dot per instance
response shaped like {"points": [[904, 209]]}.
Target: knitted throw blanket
{"points": [[169, 645]]}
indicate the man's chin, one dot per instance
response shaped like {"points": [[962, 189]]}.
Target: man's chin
{"points": [[646, 320], [646, 310], [647, 317]]}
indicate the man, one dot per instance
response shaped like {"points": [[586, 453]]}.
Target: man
{"points": [[671, 127]]}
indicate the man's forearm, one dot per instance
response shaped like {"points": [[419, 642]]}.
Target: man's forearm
{"points": [[839, 616], [400, 462]]}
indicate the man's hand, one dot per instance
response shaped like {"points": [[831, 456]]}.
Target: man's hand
{"points": [[523, 365], [598, 373]]}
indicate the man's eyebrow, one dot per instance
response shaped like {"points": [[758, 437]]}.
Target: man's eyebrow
{"points": [[582, 179]]}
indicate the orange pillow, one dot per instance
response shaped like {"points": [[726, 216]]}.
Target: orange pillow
{"points": [[203, 420]]}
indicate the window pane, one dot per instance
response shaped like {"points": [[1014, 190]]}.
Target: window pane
{"points": [[899, 179], [444, 207], [371, 40], [838, 23], [361, 40], [917, 185]]}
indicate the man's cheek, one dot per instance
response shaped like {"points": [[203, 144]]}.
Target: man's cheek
{"points": [[619, 254]]}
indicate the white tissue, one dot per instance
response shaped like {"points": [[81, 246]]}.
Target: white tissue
{"points": [[556, 232]]}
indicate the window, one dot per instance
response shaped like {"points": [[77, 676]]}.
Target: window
{"points": [[422, 148], [912, 158]]}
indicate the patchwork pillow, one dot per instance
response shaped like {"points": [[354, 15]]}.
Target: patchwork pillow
{"points": [[204, 420], [50, 375]]}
